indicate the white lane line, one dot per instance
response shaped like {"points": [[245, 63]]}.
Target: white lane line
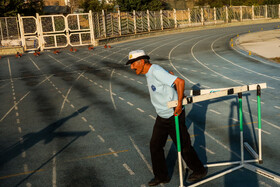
{"points": [[139, 82], [23, 154], [114, 152], [91, 127], [233, 119], [19, 129], [214, 75], [100, 86], [110, 90], [130, 103], [100, 138], [266, 132], [106, 90], [90, 80], [207, 150], [18, 121], [185, 68], [271, 88], [72, 106], [205, 86], [68, 92], [132, 79], [28, 184], [152, 117], [125, 76], [121, 98], [84, 119], [215, 111], [203, 73], [197, 104], [217, 141], [193, 70], [25, 168], [128, 169], [54, 171], [141, 155], [249, 70], [221, 75], [140, 110], [113, 94], [277, 107]]}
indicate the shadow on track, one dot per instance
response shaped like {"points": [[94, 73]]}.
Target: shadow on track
{"points": [[47, 134]]}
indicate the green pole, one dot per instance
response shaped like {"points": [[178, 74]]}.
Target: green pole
{"points": [[241, 127], [240, 112], [259, 107], [177, 133], [179, 150], [259, 122]]}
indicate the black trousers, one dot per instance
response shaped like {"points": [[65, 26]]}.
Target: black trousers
{"points": [[163, 128]]}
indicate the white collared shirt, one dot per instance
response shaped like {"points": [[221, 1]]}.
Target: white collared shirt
{"points": [[160, 84]]}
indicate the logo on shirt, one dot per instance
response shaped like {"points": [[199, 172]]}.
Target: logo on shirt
{"points": [[153, 88]]}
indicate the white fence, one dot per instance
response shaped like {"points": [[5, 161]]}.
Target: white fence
{"points": [[59, 31]]}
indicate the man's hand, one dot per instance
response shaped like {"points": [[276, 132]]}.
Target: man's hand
{"points": [[180, 85], [178, 110]]}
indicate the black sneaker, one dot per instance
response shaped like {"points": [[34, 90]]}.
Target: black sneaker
{"points": [[156, 181], [197, 175]]}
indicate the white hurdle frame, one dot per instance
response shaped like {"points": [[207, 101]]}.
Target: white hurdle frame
{"points": [[202, 95]]}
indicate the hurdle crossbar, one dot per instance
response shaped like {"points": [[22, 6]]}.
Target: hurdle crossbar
{"points": [[215, 93]]}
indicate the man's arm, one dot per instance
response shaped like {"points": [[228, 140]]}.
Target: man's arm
{"points": [[180, 85]]}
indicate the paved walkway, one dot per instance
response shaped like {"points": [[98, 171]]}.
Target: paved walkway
{"points": [[264, 43]]}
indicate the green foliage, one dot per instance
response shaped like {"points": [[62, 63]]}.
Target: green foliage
{"points": [[141, 5], [220, 3], [96, 5], [14, 7]]}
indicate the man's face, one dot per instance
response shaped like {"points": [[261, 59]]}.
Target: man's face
{"points": [[138, 66]]}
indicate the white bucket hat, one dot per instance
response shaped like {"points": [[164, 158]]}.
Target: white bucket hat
{"points": [[136, 55]]}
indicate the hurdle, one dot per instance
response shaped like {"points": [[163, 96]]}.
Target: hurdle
{"points": [[195, 96]]}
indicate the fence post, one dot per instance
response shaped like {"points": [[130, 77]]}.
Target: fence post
{"points": [[92, 37], [148, 20], [175, 18], [161, 19], [253, 12], [134, 21], [226, 14], [40, 32], [279, 11], [119, 20], [241, 14], [21, 32], [104, 23], [215, 16], [265, 11], [202, 16], [112, 23], [189, 16], [67, 30], [2, 38]]}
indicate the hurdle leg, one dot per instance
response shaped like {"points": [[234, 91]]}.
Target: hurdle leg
{"points": [[259, 123], [241, 127], [179, 150]]}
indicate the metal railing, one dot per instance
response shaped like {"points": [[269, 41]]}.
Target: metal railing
{"points": [[58, 31]]}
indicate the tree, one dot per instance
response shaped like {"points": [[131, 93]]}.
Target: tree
{"points": [[96, 5], [141, 5], [14, 7]]}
